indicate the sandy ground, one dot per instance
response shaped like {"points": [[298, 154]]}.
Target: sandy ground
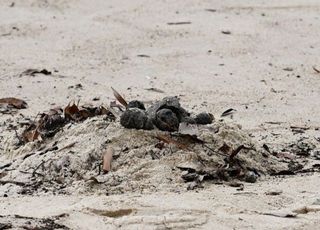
{"points": [[98, 43]]}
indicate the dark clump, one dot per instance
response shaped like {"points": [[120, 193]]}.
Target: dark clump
{"points": [[250, 177], [165, 115], [134, 118], [167, 120], [51, 122], [171, 103], [136, 104], [204, 118]]}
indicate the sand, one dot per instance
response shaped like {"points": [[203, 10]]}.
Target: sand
{"points": [[262, 69]]}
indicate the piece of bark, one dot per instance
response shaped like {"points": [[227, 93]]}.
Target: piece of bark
{"points": [[107, 159]]}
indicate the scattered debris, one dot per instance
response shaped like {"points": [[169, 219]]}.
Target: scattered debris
{"points": [[119, 98], [315, 69], [226, 32], [53, 121], [266, 147], [274, 193], [107, 159], [26, 222], [301, 148], [178, 23], [280, 214], [298, 129], [204, 118], [143, 55], [306, 210], [77, 86], [14, 102], [33, 72], [165, 115], [155, 90], [251, 177], [202, 149], [228, 112], [211, 10], [113, 213]]}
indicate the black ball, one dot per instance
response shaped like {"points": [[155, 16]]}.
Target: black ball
{"points": [[133, 118], [204, 118], [167, 120], [136, 104]]}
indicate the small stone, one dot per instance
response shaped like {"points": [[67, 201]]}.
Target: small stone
{"points": [[204, 118], [250, 177], [136, 104], [134, 118], [192, 185], [167, 120]]}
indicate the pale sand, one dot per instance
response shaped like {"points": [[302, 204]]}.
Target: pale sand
{"points": [[96, 44]]}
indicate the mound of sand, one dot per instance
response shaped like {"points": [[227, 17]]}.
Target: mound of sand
{"points": [[143, 160]]}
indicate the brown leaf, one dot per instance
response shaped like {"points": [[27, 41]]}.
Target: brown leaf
{"points": [[119, 98], [84, 114], [305, 210], [71, 111], [228, 112], [15, 102], [31, 135], [113, 213], [169, 140], [315, 69], [107, 159]]}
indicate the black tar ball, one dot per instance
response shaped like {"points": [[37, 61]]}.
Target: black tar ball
{"points": [[136, 104], [167, 120], [204, 118], [134, 118]]}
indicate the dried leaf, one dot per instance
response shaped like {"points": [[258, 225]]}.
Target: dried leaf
{"points": [[315, 69], [143, 55], [169, 140], [288, 69], [226, 32], [113, 104], [107, 159], [306, 210], [155, 90], [281, 214], [15, 102], [71, 111], [84, 114], [266, 147], [119, 98], [178, 23], [211, 10], [228, 112], [68, 146], [32, 72], [113, 214], [31, 135]]}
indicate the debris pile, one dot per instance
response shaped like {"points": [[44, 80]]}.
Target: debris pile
{"points": [[159, 148], [51, 122]]}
